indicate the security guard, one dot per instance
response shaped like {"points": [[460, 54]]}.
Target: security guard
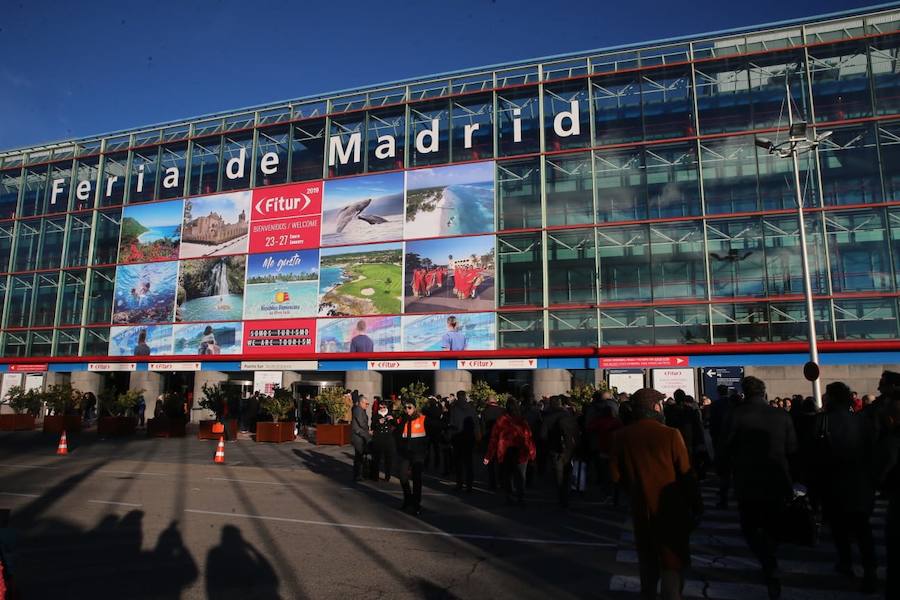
{"points": [[412, 449]]}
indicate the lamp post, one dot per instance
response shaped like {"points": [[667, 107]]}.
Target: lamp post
{"points": [[796, 144]]}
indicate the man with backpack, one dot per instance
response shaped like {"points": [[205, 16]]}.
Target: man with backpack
{"points": [[560, 434]]}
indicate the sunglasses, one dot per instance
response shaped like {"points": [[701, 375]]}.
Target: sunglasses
{"points": [[410, 407]]}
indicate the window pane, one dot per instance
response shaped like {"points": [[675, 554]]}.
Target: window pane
{"points": [[866, 319], [27, 245], [41, 343], [386, 139], [106, 237], [236, 157], [783, 258], [173, 171], [521, 270], [21, 297], [15, 344], [521, 329], [10, 183], [79, 240], [573, 328], [519, 184], [723, 96], [67, 342], [767, 93], [58, 188], [35, 191], [518, 122], [308, 150], [272, 149], [625, 327], [679, 269], [789, 323], [478, 143], [349, 131], [45, 299], [96, 342], [572, 266], [100, 300], [680, 325], [667, 107], [740, 323], [204, 166], [621, 185], [736, 257], [570, 196], [617, 109], [144, 169], [87, 173], [624, 263], [567, 116], [6, 240], [884, 52], [729, 175], [776, 181], [849, 160], [52, 243], [115, 173], [858, 249], [840, 81], [673, 188], [72, 299], [889, 134]]}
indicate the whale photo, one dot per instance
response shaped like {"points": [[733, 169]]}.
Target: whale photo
{"points": [[363, 209]]}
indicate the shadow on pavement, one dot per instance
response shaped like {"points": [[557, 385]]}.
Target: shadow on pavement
{"points": [[235, 569]]}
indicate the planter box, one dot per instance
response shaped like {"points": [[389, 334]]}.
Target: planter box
{"points": [[334, 435], [116, 426], [206, 433], [166, 427], [16, 422], [267, 431], [60, 423]]}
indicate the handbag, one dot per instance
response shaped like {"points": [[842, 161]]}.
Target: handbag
{"points": [[797, 524]]}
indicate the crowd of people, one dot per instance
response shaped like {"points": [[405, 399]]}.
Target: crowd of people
{"points": [[651, 452]]}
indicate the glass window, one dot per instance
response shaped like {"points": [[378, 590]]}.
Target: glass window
{"points": [[72, 300], [87, 172], [172, 171], [776, 181], [237, 155], [386, 139], [106, 237], [521, 329], [7, 232], [27, 245], [572, 266], [784, 265], [100, 298], [570, 194], [10, 183], [567, 116], [115, 174], [621, 185], [21, 301], [737, 261], [729, 174], [96, 341], [15, 343], [521, 270], [840, 81], [626, 327], [624, 263], [59, 185], [518, 122], [789, 323], [472, 128], [79, 240], [617, 109], [41, 343], [667, 107], [272, 149], [673, 188], [349, 131], [723, 96], [858, 249], [52, 243], [767, 93], [675, 325], [35, 191], [308, 150], [889, 135], [573, 328], [205, 166], [740, 323], [866, 319], [45, 299], [144, 169], [884, 52], [519, 184], [849, 160], [429, 133], [66, 342], [3, 293], [678, 265]]}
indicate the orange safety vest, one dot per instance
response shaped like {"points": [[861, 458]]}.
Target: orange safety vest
{"points": [[414, 428]]}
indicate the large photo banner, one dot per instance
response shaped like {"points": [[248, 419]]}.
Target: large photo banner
{"points": [[145, 293], [286, 217], [363, 334], [364, 209], [449, 332], [454, 200], [207, 338], [287, 336], [215, 225], [211, 289], [282, 285], [450, 274], [147, 340], [150, 232], [361, 280]]}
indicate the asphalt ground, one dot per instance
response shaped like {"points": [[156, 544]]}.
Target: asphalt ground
{"points": [[155, 518]]}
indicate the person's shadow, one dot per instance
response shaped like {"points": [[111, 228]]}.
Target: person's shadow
{"points": [[235, 569], [173, 560]]}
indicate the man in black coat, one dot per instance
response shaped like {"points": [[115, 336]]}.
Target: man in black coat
{"points": [[887, 469], [758, 443], [360, 435], [463, 423], [560, 434]]}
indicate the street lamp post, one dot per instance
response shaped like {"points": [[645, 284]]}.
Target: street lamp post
{"points": [[796, 144]]}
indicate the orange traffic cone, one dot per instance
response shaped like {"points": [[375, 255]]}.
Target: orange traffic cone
{"points": [[220, 451], [63, 447]]}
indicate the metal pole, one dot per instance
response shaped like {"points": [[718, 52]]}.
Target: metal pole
{"points": [[804, 255]]}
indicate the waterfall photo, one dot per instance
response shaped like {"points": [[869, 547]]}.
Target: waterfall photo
{"points": [[211, 289], [282, 285]]}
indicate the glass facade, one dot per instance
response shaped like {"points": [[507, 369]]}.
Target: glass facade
{"points": [[630, 203]]}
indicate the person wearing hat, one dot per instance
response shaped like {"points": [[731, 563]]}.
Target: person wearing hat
{"points": [[651, 461], [412, 447]]}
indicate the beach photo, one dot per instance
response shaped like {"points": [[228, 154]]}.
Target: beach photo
{"points": [[146, 340], [361, 280], [454, 200], [471, 331], [150, 232], [363, 209], [282, 285], [450, 274], [362, 334], [207, 338], [145, 293], [211, 289], [216, 225]]}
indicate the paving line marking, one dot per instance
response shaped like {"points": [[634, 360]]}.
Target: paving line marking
{"points": [[447, 534], [246, 481], [102, 471], [131, 504], [27, 467], [20, 495]]}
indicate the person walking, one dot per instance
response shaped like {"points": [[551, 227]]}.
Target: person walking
{"points": [[511, 444], [560, 433], [384, 445], [759, 442], [492, 411], [887, 470], [463, 423], [360, 435], [433, 427], [844, 477], [412, 447], [651, 461]]}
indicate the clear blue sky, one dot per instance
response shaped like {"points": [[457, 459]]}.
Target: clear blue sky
{"points": [[78, 68]]}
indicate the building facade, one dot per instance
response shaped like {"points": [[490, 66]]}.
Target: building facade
{"points": [[573, 211]]}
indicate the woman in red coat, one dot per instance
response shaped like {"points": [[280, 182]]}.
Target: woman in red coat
{"points": [[512, 446]]}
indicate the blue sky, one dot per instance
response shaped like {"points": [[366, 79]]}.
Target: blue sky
{"points": [[473, 173], [72, 69], [307, 261], [229, 206], [342, 192]]}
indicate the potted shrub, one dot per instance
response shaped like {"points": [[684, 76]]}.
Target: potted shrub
{"points": [[26, 405], [279, 406], [171, 420], [334, 401], [217, 399], [117, 412], [64, 401]]}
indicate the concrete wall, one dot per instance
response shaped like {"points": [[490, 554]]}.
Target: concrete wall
{"points": [[201, 377], [152, 384], [451, 381], [86, 381], [787, 381], [551, 382]]}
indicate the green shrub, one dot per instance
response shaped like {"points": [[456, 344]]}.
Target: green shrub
{"points": [[331, 398]]}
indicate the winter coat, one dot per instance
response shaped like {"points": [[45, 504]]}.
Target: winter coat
{"points": [[508, 433]]}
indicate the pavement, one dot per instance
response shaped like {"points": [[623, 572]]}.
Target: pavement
{"points": [[155, 518]]}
